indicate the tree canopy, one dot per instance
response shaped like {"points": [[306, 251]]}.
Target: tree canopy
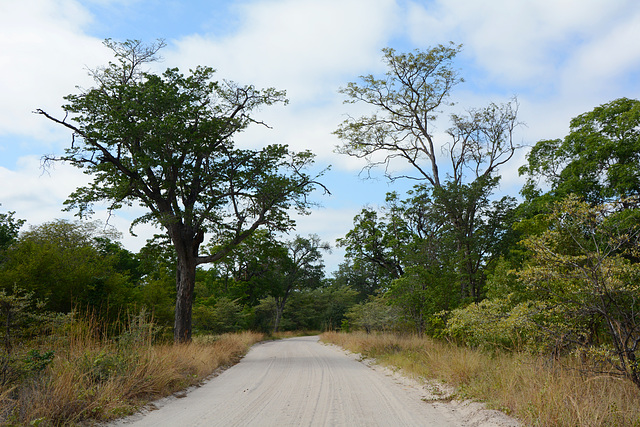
{"points": [[599, 159]]}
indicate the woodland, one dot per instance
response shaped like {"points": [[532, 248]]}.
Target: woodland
{"points": [[553, 270]]}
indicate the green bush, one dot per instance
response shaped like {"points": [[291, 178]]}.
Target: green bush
{"points": [[373, 316], [495, 323], [225, 315], [22, 318]]}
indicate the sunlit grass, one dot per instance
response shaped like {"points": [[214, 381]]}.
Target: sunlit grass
{"points": [[527, 387], [97, 379]]}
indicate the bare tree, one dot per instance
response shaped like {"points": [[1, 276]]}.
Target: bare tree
{"points": [[461, 171]]}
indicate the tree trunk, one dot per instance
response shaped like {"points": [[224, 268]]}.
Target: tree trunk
{"points": [[279, 310], [185, 283]]}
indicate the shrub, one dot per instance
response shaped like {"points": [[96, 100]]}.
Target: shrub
{"points": [[494, 323], [373, 315]]}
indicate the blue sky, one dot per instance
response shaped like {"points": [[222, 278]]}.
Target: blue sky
{"points": [[559, 57]]}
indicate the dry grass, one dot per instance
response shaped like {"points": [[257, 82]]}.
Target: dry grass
{"points": [[521, 385], [292, 334], [99, 380]]}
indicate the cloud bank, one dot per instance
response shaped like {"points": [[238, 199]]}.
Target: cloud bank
{"points": [[560, 58]]}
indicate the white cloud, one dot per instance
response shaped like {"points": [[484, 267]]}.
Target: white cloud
{"points": [[43, 56], [35, 194], [561, 58], [598, 67], [306, 47], [309, 48], [522, 42]]}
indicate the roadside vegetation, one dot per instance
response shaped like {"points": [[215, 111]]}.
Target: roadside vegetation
{"points": [[536, 390], [538, 295], [74, 371]]}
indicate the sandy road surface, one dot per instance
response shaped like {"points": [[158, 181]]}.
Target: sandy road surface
{"points": [[299, 382]]}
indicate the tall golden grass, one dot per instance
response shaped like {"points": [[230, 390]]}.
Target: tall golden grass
{"points": [[99, 379], [530, 388]]}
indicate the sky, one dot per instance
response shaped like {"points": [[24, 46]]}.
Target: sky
{"points": [[560, 58]]}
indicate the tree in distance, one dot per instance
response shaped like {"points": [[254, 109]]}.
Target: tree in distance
{"points": [[165, 141], [302, 268], [265, 267], [9, 228], [460, 172]]}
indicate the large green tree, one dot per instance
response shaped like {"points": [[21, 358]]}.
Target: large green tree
{"points": [[461, 169], [598, 160], [413, 248], [372, 244], [165, 141], [264, 268], [251, 269]]}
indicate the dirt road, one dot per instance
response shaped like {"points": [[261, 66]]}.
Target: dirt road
{"points": [[300, 382]]}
